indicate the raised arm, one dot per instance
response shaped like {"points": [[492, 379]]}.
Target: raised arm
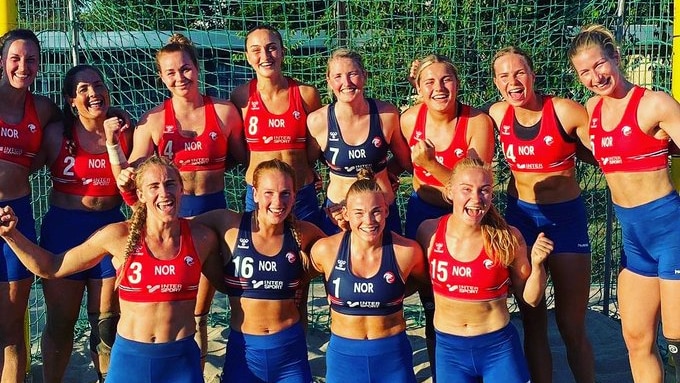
{"points": [[529, 278], [108, 240]]}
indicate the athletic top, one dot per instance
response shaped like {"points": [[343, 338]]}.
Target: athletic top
{"points": [[149, 279], [84, 174], [542, 148], [208, 151], [479, 280], [19, 143], [626, 148], [250, 274], [346, 160], [269, 132], [448, 157], [381, 294]]}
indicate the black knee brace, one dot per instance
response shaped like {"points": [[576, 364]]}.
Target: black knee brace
{"points": [[102, 331], [674, 354]]}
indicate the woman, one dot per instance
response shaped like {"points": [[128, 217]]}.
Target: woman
{"points": [[474, 257], [84, 197], [274, 109], [159, 258], [197, 133], [356, 132], [441, 131], [539, 138], [266, 278], [23, 116], [366, 269], [629, 132]]}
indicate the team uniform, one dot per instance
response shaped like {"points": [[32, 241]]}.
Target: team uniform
{"points": [[149, 279], [543, 148], [80, 174], [19, 145], [496, 356], [268, 132], [278, 357], [346, 160], [376, 360], [627, 149], [207, 151], [418, 210]]}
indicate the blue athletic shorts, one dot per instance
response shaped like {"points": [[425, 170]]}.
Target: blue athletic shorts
{"points": [[193, 205], [565, 223], [172, 362], [275, 358], [63, 229], [393, 220], [388, 360], [11, 269], [495, 357], [306, 204], [418, 211], [651, 243]]}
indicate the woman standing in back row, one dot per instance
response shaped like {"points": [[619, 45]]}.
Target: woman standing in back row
{"points": [[539, 139], [274, 109], [630, 129], [200, 134], [23, 115]]}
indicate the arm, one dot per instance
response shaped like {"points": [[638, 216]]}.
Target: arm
{"points": [[530, 279], [114, 128], [311, 100], [401, 153], [211, 256], [43, 263], [480, 136], [574, 120], [311, 234], [50, 146], [232, 128]]}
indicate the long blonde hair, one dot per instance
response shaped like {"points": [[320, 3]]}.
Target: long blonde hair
{"points": [[499, 241], [137, 222]]}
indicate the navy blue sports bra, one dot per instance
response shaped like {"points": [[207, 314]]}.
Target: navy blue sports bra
{"points": [[250, 274], [381, 294], [346, 160]]}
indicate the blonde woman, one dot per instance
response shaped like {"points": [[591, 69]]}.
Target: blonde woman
{"points": [[475, 257], [159, 258]]}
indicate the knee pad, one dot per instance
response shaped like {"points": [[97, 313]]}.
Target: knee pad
{"points": [[103, 331], [201, 336], [674, 355]]}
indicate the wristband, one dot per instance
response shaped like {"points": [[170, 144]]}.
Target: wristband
{"points": [[116, 155], [129, 196]]}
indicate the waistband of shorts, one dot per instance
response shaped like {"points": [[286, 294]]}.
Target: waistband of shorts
{"points": [[367, 347], [476, 341], [650, 210], [151, 350], [268, 341]]}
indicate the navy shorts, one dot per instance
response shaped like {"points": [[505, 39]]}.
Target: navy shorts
{"points": [[280, 357], [193, 205], [418, 211], [388, 360], [565, 223], [651, 244], [171, 362], [63, 229], [306, 204], [11, 268], [495, 357], [393, 220]]}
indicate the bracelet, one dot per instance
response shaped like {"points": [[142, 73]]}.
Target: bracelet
{"points": [[116, 155], [129, 196]]}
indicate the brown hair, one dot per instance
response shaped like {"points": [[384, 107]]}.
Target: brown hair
{"points": [[178, 43], [594, 35], [500, 243], [17, 34], [509, 50], [68, 90], [138, 220], [264, 27]]}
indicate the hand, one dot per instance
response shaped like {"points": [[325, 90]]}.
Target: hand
{"points": [[394, 181], [8, 220], [413, 73], [318, 181], [422, 153], [334, 212], [126, 179], [541, 250], [113, 127]]}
